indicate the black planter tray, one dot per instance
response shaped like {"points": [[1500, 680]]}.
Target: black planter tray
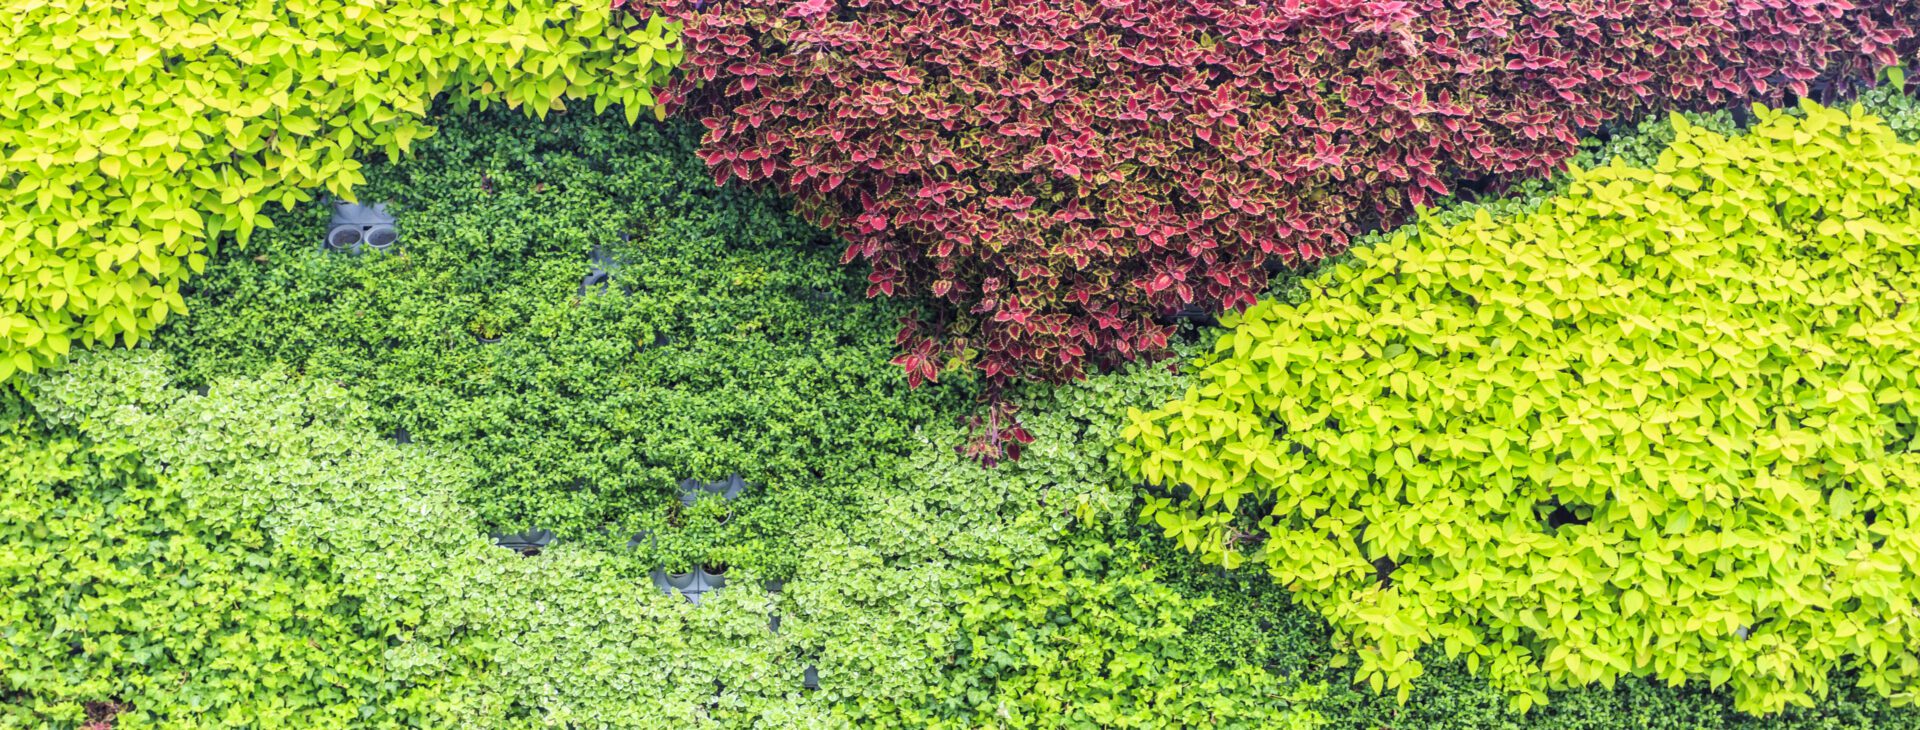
{"points": [[599, 273], [529, 543]]}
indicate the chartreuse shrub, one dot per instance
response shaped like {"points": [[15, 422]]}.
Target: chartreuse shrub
{"points": [[1252, 617], [135, 133], [121, 597], [1661, 424], [727, 338]]}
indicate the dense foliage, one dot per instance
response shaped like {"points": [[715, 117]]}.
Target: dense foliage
{"points": [[890, 608], [120, 598], [894, 616], [275, 513], [1054, 175], [1660, 424], [771, 365], [725, 338], [1087, 635], [134, 134]]}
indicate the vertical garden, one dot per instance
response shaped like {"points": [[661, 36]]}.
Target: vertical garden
{"points": [[1353, 364]]}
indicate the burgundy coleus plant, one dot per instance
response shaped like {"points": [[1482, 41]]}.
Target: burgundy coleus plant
{"points": [[996, 435], [1053, 175]]}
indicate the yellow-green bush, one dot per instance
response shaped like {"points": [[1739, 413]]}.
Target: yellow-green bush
{"points": [[1663, 424], [133, 133]]}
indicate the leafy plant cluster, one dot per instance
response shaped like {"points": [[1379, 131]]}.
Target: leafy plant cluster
{"points": [[563, 638], [134, 134], [923, 590], [934, 609], [1897, 102], [122, 599], [724, 338], [901, 625], [939, 605], [1087, 635], [1251, 616], [1054, 176], [1658, 424]]}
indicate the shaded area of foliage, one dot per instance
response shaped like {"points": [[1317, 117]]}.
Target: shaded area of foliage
{"points": [[725, 338]]}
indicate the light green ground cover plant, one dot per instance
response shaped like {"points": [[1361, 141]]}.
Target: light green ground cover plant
{"points": [[1660, 424], [482, 637], [134, 134], [960, 593], [119, 598]]}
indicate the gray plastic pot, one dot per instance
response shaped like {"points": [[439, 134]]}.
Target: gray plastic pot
{"points": [[357, 229], [598, 274], [682, 582], [774, 587], [692, 585]]}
